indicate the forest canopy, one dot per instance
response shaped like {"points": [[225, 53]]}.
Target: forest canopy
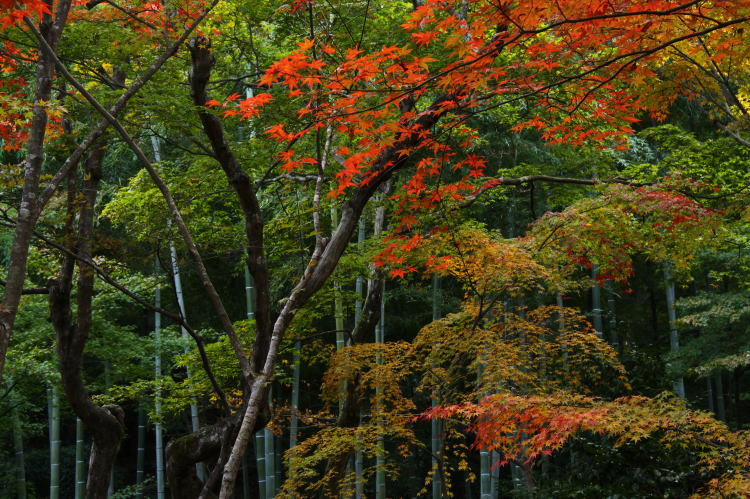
{"points": [[445, 248]]}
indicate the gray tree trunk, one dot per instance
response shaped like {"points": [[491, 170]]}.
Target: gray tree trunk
{"points": [[80, 470], [380, 489], [141, 452], [195, 424], [436, 441], [359, 487], [614, 338], [718, 381], [674, 335], [159, 439], [51, 30], [596, 304], [270, 451], [260, 444], [18, 448], [54, 442]]}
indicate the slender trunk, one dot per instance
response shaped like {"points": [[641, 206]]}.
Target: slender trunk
{"points": [[107, 384], [350, 415], [159, 439], [338, 304], [720, 397], [195, 424], [436, 430], [614, 339], [380, 456], [338, 313], [80, 470], [260, 444], [18, 448], [294, 423], [194, 420], [54, 442], [710, 395], [104, 423], [27, 210], [736, 377], [264, 441], [359, 480], [485, 480], [674, 335], [141, 453], [596, 303], [494, 474], [278, 453], [561, 330], [260, 453], [270, 452]]}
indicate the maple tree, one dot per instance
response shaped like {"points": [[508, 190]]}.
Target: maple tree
{"points": [[531, 427]]}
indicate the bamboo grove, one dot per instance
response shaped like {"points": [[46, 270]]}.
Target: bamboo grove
{"points": [[439, 248]]}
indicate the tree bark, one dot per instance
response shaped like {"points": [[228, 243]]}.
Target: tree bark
{"points": [[200, 72], [19, 249], [366, 327], [105, 423]]}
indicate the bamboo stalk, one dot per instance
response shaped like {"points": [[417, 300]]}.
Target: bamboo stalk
{"points": [[380, 489], [674, 335], [54, 442], [157, 409]]}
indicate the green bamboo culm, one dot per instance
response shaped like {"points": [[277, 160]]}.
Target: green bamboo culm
{"points": [[296, 367], [614, 339], [380, 457], [435, 424], [359, 487], [195, 424], [141, 453], [260, 444], [80, 469], [270, 450], [194, 420], [674, 335], [159, 441], [18, 446], [596, 303], [54, 442], [107, 384]]}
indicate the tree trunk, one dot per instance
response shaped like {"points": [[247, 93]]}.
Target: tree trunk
{"points": [[294, 406], [54, 442], [184, 452], [105, 424], [674, 335], [194, 419], [359, 480], [80, 469], [107, 384], [436, 430], [141, 452], [18, 448], [159, 439], [380, 456], [260, 444], [27, 211], [596, 303], [366, 327], [270, 452], [614, 339]]}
